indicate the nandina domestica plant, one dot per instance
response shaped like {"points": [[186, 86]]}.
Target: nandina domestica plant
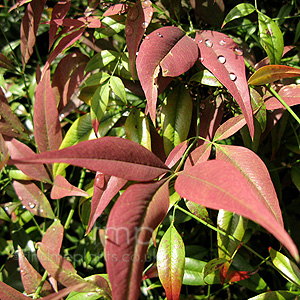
{"points": [[142, 152]]}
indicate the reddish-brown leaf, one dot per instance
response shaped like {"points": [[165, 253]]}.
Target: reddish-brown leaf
{"points": [[33, 199], [222, 56], [9, 293], [29, 26], [105, 188], [200, 154], [30, 277], [53, 237], [5, 62], [176, 154], [62, 188], [116, 9], [218, 185], [19, 150], [109, 155], [18, 4], [47, 130], [4, 154], [169, 51], [130, 225], [138, 18]]}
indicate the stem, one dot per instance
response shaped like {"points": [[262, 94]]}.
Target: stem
{"points": [[39, 289]]}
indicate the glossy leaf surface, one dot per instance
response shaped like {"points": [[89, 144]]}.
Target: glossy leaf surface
{"points": [[170, 262], [220, 185], [176, 154], [222, 56], [130, 225]]}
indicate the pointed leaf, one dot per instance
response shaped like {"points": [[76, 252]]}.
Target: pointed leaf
{"points": [[53, 236], [29, 26], [62, 188], [168, 49], [176, 154], [138, 18], [116, 9], [109, 155], [271, 73], [199, 211], [130, 225], [212, 266], [229, 190], [18, 4], [47, 130], [5, 62], [118, 88], [177, 117], [105, 188], [271, 38], [222, 56], [101, 60], [207, 78], [30, 277], [170, 262], [4, 154], [33, 199], [9, 293], [200, 154]]}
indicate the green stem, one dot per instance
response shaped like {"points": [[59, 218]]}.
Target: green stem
{"points": [[39, 289]]}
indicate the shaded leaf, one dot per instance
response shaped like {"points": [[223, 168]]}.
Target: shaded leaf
{"points": [[222, 56], [30, 277], [168, 50], [170, 262], [276, 295], [18, 4], [62, 188], [138, 18], [9, 293], [33, 199], [271, 73], [199, 211], [271, 38], [259, 107], [5, 62], [212, 266], [133, 162], [105, 188], [200, 154], [53, 236], [295, 175], [4, 154], [218, 185], [130, 225], [177, 116], [47, 130], [207, 78]]}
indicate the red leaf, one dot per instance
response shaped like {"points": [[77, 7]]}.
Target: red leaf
{"points": [[62, 188], [138, 18], [47, 130], [53, 237], [109, 155], [169, 50], [116, 9], [200, 154], [219, 185], [33, 199], [19, 150], [221, 55], [5, 62], [151, 273], [18, 4], [30, 277], [234, 276], [29, 27], [9, 293], [130, 225], [105, 188], [176, 154]]}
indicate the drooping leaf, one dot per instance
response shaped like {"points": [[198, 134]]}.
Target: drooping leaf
{"points": [[30, 277], [105, 188], [33, 199], [271, 73], [109, 155], [218, 185], [19, 150], [53, 236], [47, 130], [239, 11], [222, 56], [177, 117], [287, 267], [9, 293], [271, 38], [138, 18], [170, 262], [168, 50], [130, 225], [62, 188], [276, 295], [29, 26], [137, 128], [176, 154]]}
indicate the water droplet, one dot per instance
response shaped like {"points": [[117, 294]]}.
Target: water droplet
{"points": [[6, 208], [128, 30], [41, 210], [200, 41], [232, 76], [208, 43], [222, 43], [53, 229], [238, 51], [133, 13], [22, 271], [147, 37], [62, 116], [20, 198], [145, 25], [23, 206], [202, 106], [221, 59], [201, 59], [158, 34], [31, 205], [147, 4]]}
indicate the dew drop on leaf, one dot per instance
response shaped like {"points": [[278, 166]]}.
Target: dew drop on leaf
{"points": [[221, 59], [202, 106], [31, 205], [208, 43], [128, 30], [238, 51], [23, 206], [6, 208], [201, 59], [20, 198], [145, 25], [133, 13], [147, 4], [160, 35], [232, 76], [147, 37], [222, 43]]}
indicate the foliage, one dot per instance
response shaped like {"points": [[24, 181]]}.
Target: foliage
{"points": [[149, 150]]}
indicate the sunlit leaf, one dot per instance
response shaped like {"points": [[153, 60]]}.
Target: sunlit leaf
{"points": [[276, 295], [199, 211], [176, 154], [9, 293], [53, 236], [116, 9], [200, 154], [207, 78], [170, 262], [112, 25], [212, 266], [101, 60], [118, 88]]}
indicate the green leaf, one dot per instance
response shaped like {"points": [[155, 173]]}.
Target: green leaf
{"points": [[101, 60], [207, 78], [113, 25], [295, 174], [287, 268], [276, 295], [239, 11], [271, 38], [177, 116], [118, 88], [170, 262], [258, 105]]}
